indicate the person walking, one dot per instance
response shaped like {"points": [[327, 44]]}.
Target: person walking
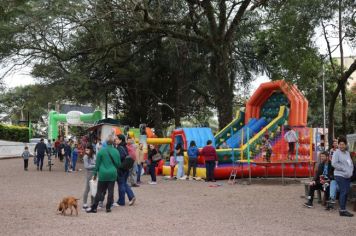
{"points": [[74, 157], [40, 150], [61, 150], [180, 159], [344, 167], [123, 174], [56, 147], [140, 158], [89, 165], [107, 163], [131, 148], [211, 160], [26, 155], [193, 153], [67, 156]]}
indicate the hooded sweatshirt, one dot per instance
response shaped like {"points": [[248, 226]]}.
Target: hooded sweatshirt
{"points": [[193, 152], [342, 163], [105, 166]]}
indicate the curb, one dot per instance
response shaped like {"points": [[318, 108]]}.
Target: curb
{"points": [[9, 157]]}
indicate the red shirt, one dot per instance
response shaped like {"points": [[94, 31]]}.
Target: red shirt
{"points": [[209, 153]]}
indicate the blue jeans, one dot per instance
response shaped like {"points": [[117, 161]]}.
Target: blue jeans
{"points": [[334, 188], [139, 169], [66, 164], [344, 186], [124, 188], [74, 162], [180, 172], [40, 161]]}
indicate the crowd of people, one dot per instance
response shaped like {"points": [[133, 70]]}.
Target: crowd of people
{"points": [[119, 159], [334, 175]]}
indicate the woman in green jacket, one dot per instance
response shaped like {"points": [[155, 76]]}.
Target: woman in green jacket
{"points": [[107, 162]]}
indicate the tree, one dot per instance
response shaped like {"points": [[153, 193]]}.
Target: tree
{"points": [[224, 28], [345, 12], [20, 101]]}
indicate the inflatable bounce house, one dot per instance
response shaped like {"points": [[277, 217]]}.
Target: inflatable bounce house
{"points": [[273, 107]]}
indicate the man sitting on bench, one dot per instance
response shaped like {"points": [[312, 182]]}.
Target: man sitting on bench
{"points": [[321, 179]]}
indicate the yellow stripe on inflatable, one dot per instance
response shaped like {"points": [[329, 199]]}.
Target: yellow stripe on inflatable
{"points": [[159, 141]]}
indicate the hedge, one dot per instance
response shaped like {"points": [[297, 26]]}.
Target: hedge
{"points": [[14, 133]]}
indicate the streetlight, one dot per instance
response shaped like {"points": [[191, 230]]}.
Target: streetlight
{"points": [[167, 105]]}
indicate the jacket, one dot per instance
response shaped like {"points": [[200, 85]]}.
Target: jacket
{"points": [[104, 167], [41, 149], [209, 153], [320, 172], [89, 163], [342, 163], [26, 155], [123, 151], [151, 153], [193, 152], [140, 155]]}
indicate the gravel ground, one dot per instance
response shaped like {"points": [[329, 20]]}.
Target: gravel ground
{"points": [[29, 201]]}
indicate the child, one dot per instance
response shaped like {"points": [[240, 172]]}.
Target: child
{"points": [[172, 163], [74, 156], [26, 155], [180, 159], [292, 138], [266, 148], [89, 165]]}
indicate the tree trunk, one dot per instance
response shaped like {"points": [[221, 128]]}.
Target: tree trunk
{"points": [[343, 92], [343, 110], [222, 86], [332, 103], [157, 117]]}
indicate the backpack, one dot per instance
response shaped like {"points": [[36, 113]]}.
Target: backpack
{"points": [[127, 164], [127, 161]]}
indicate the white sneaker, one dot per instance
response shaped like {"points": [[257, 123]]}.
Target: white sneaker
{"points": [[152, 183], [132, 201], [183, 178], [115, 204]]}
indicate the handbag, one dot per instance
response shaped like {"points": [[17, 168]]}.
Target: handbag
{"points": [[93, 186], [157, 157]]}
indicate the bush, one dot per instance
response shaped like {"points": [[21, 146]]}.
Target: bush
{"points": [[14, 133]]}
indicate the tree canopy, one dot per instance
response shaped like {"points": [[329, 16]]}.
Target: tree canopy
{"points": [[190, 54]]}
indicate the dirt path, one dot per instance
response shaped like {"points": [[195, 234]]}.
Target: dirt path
{"points": [[29, 201]]}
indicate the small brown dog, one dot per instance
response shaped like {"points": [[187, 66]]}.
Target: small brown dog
{"points": [[68, 202]]}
